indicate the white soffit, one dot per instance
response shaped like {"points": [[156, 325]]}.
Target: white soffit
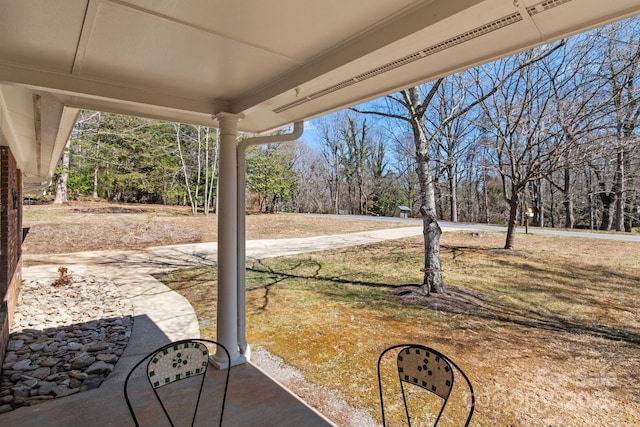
{"points": [[274, 61], [483, 34]]}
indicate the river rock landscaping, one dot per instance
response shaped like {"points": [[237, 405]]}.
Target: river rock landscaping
{"points": [[66, 338]]}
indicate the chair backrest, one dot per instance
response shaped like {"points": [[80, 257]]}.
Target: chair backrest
{"points": [[428, 369], [177, 361]]}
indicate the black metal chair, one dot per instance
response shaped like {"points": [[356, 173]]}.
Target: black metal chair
{"points": [[178, 361], [428, 369]]}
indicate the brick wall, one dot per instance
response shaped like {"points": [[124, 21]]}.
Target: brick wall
{"points": [[10, 241]]}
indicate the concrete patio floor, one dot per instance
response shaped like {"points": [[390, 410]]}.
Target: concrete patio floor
{"points": [[253, 399]]}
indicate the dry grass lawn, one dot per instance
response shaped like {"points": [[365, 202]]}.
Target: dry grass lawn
{"points": [[548, 333], [97, 225]]}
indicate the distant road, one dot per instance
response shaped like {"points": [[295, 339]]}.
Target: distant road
{"points": [[452, 226]]}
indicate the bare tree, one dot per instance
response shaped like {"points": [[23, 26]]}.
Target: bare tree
{"points": [[524, 145], [355, 155], [312, 175], [413, 104], [612, 153], [185, 170], [574, 91], [626, 102], [406, 170], [332, 152], [198, 160], [211, 168], [450, 130], [413, 107]]}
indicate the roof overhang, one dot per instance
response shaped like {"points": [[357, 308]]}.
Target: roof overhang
{"points": [[275, 62]]}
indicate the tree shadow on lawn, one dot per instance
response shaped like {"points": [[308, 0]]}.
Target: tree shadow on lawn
{"points": [[472, 303], [591, 277], [458, 300], [276, 276]]}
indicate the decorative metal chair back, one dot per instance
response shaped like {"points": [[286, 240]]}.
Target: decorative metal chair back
{"points": [[177, 361], [428, 369]]}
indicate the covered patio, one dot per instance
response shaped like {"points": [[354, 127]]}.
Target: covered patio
{"points": [[249, 66], [161, 316]]}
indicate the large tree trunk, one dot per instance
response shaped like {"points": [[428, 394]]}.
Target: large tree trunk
{"points": [[590, 200], [485, 195], [619, 189], [432, 281], [552, 203], [95, 181], [631, 204], [608, 203], [513, 218], [569, 219], [453, 191], [538, 200], [432, 271], [192, 201]]}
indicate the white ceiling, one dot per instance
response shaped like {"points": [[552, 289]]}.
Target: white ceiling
{"points": [[274, 61]]}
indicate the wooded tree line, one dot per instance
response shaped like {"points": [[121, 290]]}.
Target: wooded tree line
{"points": [[129, 159], [552, 130]]}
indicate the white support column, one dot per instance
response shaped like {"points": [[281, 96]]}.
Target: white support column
{"points": [[227, 327]]}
